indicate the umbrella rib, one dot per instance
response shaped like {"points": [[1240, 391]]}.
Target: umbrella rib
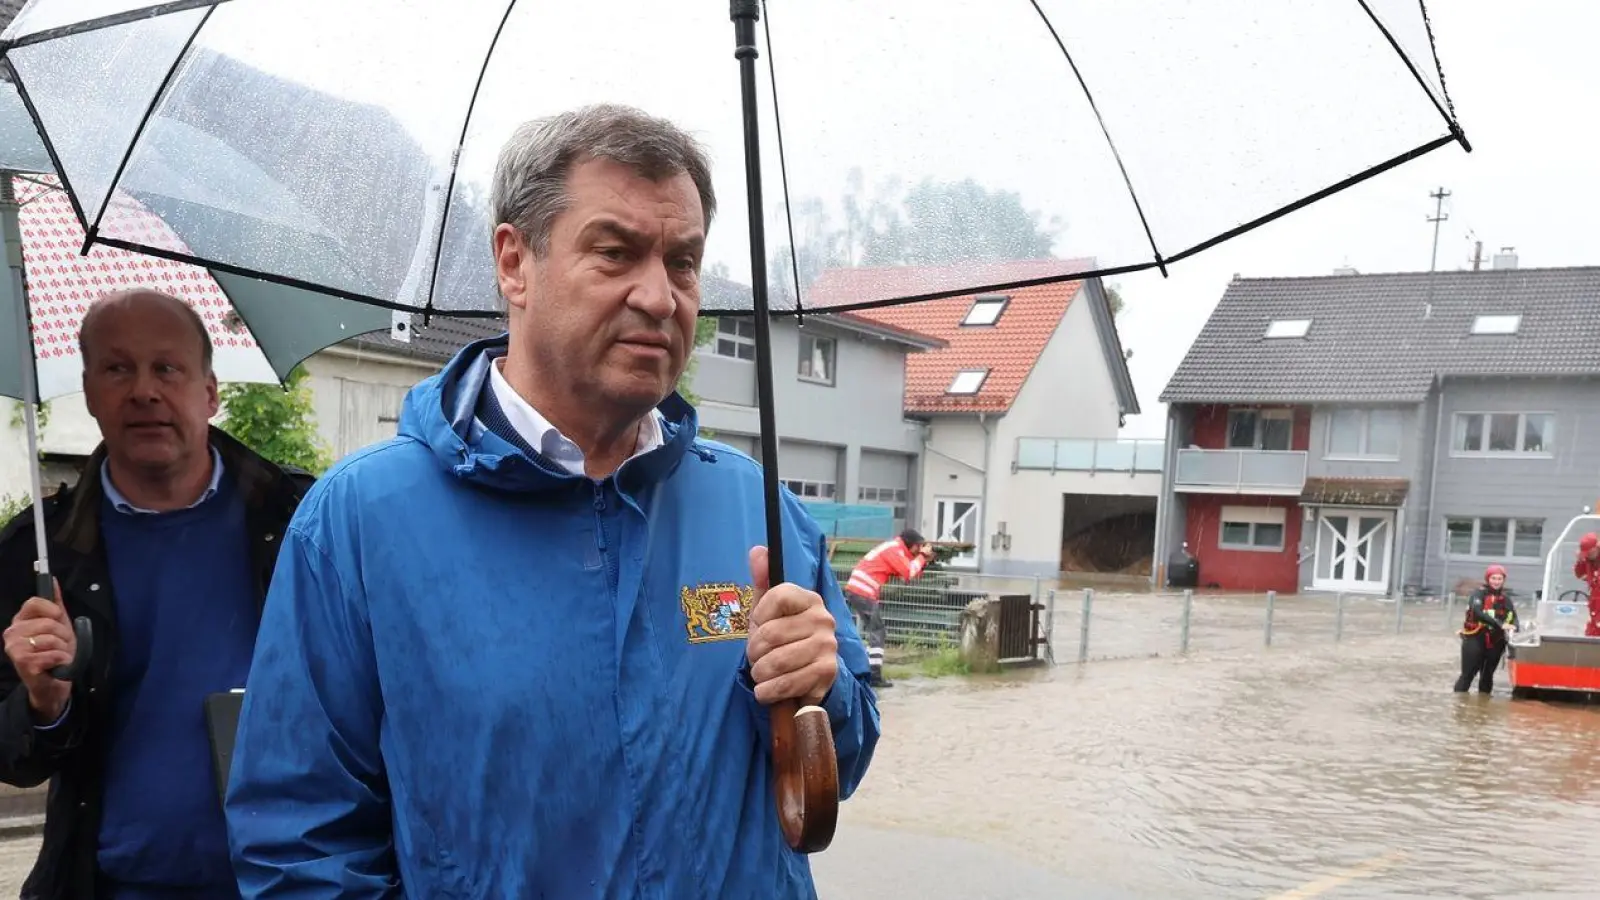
{"points": [[92, 229], [1449, 118], [783, 167], [274, 278], [106, 21], [1309, 199], [44, 137], [455, 160], [1160, 262]]}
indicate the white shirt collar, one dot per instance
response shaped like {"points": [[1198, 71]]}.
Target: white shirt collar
{"points": [[551, 443], [121, 504]]}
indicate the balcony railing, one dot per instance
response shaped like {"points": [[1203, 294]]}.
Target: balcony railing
{"points": [[1241, 471], [1126, 457]]}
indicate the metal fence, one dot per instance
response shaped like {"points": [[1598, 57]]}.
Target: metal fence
{"points": [[927, 612], [1089, 625]]}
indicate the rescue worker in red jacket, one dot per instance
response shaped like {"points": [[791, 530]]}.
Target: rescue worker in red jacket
{"points": [[903, 557], [1588, 568], [1491, 619]]}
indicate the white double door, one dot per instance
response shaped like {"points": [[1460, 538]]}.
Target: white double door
{"points": [[1354, 549]]}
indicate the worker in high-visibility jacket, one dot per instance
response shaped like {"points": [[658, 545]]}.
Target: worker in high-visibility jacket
{"points": [[904, 557]]}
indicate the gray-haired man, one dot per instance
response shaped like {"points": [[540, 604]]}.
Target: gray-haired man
{"points": [[525, 648]]}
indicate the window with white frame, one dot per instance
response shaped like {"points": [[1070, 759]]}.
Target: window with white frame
{"points": [[1496, 324], [967, 381], [1364, 434], [895, 498], [985, 310], [1288, 328], [736, 338], [810, 490], [1253, 528], [1494, 538], [1260, 429], [1502, 434], [816, 358]]}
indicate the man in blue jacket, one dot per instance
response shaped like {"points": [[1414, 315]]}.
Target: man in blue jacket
{"points": [[525, 648]]}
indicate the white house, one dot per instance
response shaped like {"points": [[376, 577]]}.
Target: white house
{"points": [[1021, 411]]}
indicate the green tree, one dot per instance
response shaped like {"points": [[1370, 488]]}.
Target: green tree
{"points": [[705, 329], [1114, 299], [928, 223], [277, 423]]}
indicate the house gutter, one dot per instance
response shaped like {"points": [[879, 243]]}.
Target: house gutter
{"points": [[1164, 502], [1433, 483], [983, 492]]}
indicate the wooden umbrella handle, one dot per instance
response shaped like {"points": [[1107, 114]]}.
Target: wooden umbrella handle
{"points": [[807, 775]]}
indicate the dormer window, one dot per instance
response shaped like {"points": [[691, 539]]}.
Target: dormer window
{"points": [[1496, 324], [986, 310], [1288, 328]]}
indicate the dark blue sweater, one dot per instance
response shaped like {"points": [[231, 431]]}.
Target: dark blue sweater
{"points": [[187, 616]]}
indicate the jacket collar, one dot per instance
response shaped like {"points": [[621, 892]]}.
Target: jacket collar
{"points": [[258, 482]]}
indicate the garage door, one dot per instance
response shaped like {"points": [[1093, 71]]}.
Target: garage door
{"points": [[744, 443], [886, 481], [811, 471]]}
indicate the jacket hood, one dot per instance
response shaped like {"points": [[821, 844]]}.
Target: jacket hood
{"points": [[440, 412]]}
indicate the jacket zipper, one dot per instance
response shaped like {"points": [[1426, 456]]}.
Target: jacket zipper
{"points": [[606, 557]]}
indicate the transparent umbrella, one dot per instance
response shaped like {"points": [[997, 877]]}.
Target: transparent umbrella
{"points": [[260, 330], [915, 145]]}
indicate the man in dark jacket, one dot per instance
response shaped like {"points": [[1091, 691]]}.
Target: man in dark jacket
{"points": [[166, 545]]}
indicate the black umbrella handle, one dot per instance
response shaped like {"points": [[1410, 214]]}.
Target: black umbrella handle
{"points": [[81, 629]]}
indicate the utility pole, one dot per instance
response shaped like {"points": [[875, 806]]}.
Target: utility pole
{"points": [[1437, 219], [1477, 256]]}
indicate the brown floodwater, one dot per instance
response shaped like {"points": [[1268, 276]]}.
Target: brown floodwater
{"points": [[1316, 768]]}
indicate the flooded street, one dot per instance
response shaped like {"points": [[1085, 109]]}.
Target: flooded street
{"points": [[1313, 769]]}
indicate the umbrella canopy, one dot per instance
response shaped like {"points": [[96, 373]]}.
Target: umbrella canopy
{"points": [[260, 331], [947, 136]]}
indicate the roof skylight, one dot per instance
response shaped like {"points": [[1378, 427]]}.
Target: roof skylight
{"points": [[967, 381], [1496, 324], [985, 310], [1288, 328]]}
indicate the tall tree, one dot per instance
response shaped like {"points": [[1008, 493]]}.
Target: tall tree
{"points": [[928, 223]]}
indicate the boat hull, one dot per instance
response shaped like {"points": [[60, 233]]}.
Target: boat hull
{"points": [[1556, 664]]}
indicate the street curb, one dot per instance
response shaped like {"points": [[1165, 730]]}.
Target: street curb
{"points": [[21, 827]]}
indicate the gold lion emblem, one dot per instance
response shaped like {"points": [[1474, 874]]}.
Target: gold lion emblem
{"points": [[717, 612]]}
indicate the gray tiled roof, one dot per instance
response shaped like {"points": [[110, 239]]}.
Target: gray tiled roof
{"points": [[437, 342], [1372, 337]]}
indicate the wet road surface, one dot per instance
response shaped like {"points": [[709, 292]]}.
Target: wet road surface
{"points": [[1345, 771], [1313, 769]]}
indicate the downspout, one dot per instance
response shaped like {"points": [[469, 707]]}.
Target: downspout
{"points": [[1164, 502], [1433, 483], [983, 492]]}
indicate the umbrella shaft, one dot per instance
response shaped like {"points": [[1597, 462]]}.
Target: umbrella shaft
{"points": [[24, 331], [745, 14]]}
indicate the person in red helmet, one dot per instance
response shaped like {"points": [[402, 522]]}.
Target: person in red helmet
{"points": [[1588, 568], [1491, 618]]}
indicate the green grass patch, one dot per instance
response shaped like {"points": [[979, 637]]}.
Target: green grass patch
{"points": [[927, 659]]}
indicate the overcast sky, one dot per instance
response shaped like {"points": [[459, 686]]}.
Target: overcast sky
{"points": [[1524, 83], [1222, 111]]}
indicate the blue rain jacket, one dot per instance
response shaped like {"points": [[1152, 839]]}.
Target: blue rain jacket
{"points": [[478, 677]]}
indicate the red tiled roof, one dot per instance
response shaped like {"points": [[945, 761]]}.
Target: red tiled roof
{"points": [[1008, 349]]}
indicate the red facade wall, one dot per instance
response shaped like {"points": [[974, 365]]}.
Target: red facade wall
{"points": [[1209, 426], [1242, 570]]}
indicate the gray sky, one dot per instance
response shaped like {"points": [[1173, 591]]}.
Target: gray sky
{"points": [[1523, 82], [1222, 112]]}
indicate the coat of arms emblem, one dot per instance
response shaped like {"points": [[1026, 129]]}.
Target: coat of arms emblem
{"points": [[717, 612]]}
